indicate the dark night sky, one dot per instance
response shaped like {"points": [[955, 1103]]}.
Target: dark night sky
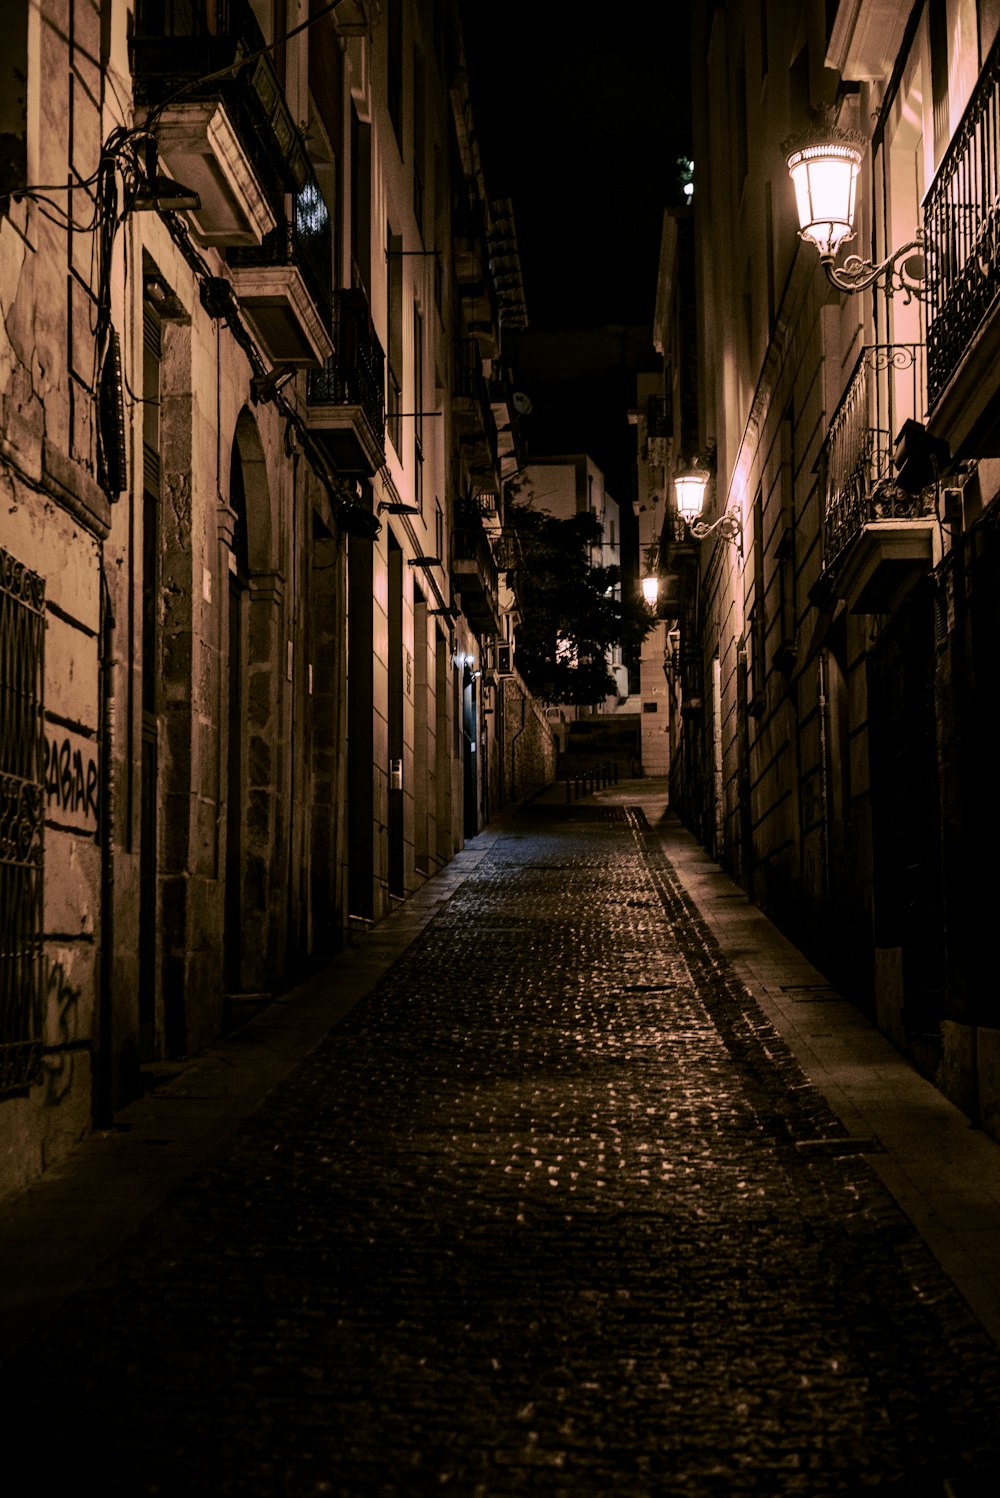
{"points": [[582, 113]]}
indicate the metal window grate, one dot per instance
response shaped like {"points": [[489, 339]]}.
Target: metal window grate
{"points": [[22, 813]]}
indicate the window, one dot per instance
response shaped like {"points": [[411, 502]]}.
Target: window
{"points": [[394, 361], [740, 160], [758, 619], [418, 406], [763, 39], [785, 651], [769, 252], [322, 220], [395, 68], [13, 101], [419, 142], [361, 204], [151, 356]]}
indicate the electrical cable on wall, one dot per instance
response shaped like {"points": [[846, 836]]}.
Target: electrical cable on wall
{"points": [[130, 152]]}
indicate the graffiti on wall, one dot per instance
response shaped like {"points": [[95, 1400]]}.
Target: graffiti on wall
{"points": [[71, 780], [60, 1062]]}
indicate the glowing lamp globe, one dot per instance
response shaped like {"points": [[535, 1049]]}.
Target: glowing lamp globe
{"points": [[651, 590], [824, 173], [689, 489]]}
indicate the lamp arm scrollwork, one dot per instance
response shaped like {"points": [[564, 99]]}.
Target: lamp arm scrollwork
{"points": [[857, 274], [728, 525]]}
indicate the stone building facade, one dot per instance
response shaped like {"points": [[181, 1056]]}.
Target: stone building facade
{"points": [[838, 647], [251, 381]]}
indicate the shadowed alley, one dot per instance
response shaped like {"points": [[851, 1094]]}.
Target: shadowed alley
{"points": [[552, 1209]]}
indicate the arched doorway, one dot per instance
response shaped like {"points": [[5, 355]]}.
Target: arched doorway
{"points": [[253, 915], [239, 584]]}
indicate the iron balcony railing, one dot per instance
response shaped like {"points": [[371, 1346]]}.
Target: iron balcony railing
{"points": [[355, 374], [473, 411], [857, 476], [962, 231], [470, 377], [178, 43], [470, 543]]}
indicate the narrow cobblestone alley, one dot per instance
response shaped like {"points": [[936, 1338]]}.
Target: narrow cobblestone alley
{"points": [[552, 1210]]}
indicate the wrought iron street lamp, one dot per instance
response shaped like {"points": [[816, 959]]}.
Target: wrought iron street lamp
{"points": [[690, 488], [824, 168]]}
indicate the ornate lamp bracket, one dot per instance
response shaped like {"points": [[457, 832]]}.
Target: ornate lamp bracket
{"points": [[729, 526], [904, 271]]}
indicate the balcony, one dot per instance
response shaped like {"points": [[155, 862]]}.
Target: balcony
{"points": [[200, 146], [962, 235], [284, 283], [878, 538], [505, 423], [480, 308], [474, 574], [505, 265], [472, 415], [347, 396], [351, 18], [232, 139]]}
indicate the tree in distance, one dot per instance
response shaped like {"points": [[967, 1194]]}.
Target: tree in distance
{"points": [[570, 616]]}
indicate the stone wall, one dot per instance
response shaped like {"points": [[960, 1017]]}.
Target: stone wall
{"points": [[529, 744]]}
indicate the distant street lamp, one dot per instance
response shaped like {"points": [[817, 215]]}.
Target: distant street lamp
{"points": [[824, 168]]}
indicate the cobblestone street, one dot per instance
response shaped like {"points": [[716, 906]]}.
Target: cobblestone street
{"points": [[551, 1210]]}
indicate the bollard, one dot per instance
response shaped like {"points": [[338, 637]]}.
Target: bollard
{"points": [[567, 787]]}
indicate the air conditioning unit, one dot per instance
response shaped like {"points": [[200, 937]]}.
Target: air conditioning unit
{"points": [[505, 661]]}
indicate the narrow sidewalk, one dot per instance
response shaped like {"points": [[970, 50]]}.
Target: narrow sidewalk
{"points": [[944, 1173]]}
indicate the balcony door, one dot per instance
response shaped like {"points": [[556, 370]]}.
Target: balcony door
{"points": [[360, 730], [470, 754], [396, 811], [906, 819]]}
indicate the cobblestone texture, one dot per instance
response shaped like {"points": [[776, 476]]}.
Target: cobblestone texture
{"points": [[552, 1211]]}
